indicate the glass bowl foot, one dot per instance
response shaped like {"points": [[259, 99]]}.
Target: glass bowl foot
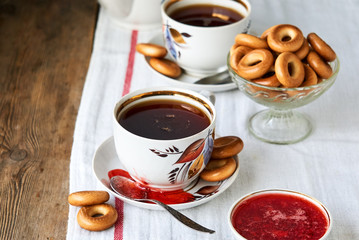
{"points": [[280, 126]]}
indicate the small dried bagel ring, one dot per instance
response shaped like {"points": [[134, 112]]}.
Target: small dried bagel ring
{"points": [[85, 198], [234, 46], [321, 47], [97, 217], [321, 67], [251, 41], [166, 67], [225, 147], [255, 64], [310, 77], [289, 70], [237, 55], [285, 38], [271, 81], [267, 31], [151, 50], [219, 169], [303, 50]]}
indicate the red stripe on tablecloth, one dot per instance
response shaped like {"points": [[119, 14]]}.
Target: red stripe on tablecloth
{"points": [[118, 234], [131, 61]]}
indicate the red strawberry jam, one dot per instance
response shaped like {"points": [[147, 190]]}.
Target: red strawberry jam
{"points": [[279, 216], [128, 187]]}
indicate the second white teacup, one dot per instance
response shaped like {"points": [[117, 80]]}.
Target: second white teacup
{"points": [[202, 50]]}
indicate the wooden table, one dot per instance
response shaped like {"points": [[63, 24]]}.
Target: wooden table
{"points": [[45, 48]]}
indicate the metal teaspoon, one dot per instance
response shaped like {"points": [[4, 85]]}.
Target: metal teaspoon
{"points": [[218, 78], [179, 216]]}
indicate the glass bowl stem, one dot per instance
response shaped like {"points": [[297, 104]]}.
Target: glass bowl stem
{"points": [[280, 126]]}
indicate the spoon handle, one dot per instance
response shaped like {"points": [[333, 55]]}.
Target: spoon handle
{"points": [[180, 217], [219, 78]]}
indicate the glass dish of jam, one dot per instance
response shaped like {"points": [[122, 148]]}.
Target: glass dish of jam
{"points": [[279, 215]]}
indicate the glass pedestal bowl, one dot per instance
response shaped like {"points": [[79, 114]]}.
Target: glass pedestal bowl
{"points": [[280, 124]]}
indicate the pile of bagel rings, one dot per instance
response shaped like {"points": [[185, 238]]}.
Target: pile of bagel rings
{"points": [[95, 214], [222, 163], [157, 60], [282, 57]]}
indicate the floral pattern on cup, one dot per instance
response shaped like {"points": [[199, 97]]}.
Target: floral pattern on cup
{"points": [[193, 159], [174, 38]]}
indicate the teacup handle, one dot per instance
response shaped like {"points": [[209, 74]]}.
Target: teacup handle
{"points": [[210, 95]]}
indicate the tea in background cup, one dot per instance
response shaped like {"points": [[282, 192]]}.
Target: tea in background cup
{"points": [[134, 14], [164, 136], [198, 34]]}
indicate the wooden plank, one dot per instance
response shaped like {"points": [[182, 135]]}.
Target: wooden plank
{"points": [[45, 48]]}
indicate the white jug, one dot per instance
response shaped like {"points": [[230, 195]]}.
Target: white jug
{"points": [[134, 14]]}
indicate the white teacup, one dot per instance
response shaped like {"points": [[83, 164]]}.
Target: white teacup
{"points": [[202, 50], [134, 14], [165, 164]]}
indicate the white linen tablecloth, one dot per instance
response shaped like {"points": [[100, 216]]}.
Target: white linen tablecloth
{"points": [[325, 165]]}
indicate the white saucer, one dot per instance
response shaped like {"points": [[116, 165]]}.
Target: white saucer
{"points": [[185, 80], [105, 160]]}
